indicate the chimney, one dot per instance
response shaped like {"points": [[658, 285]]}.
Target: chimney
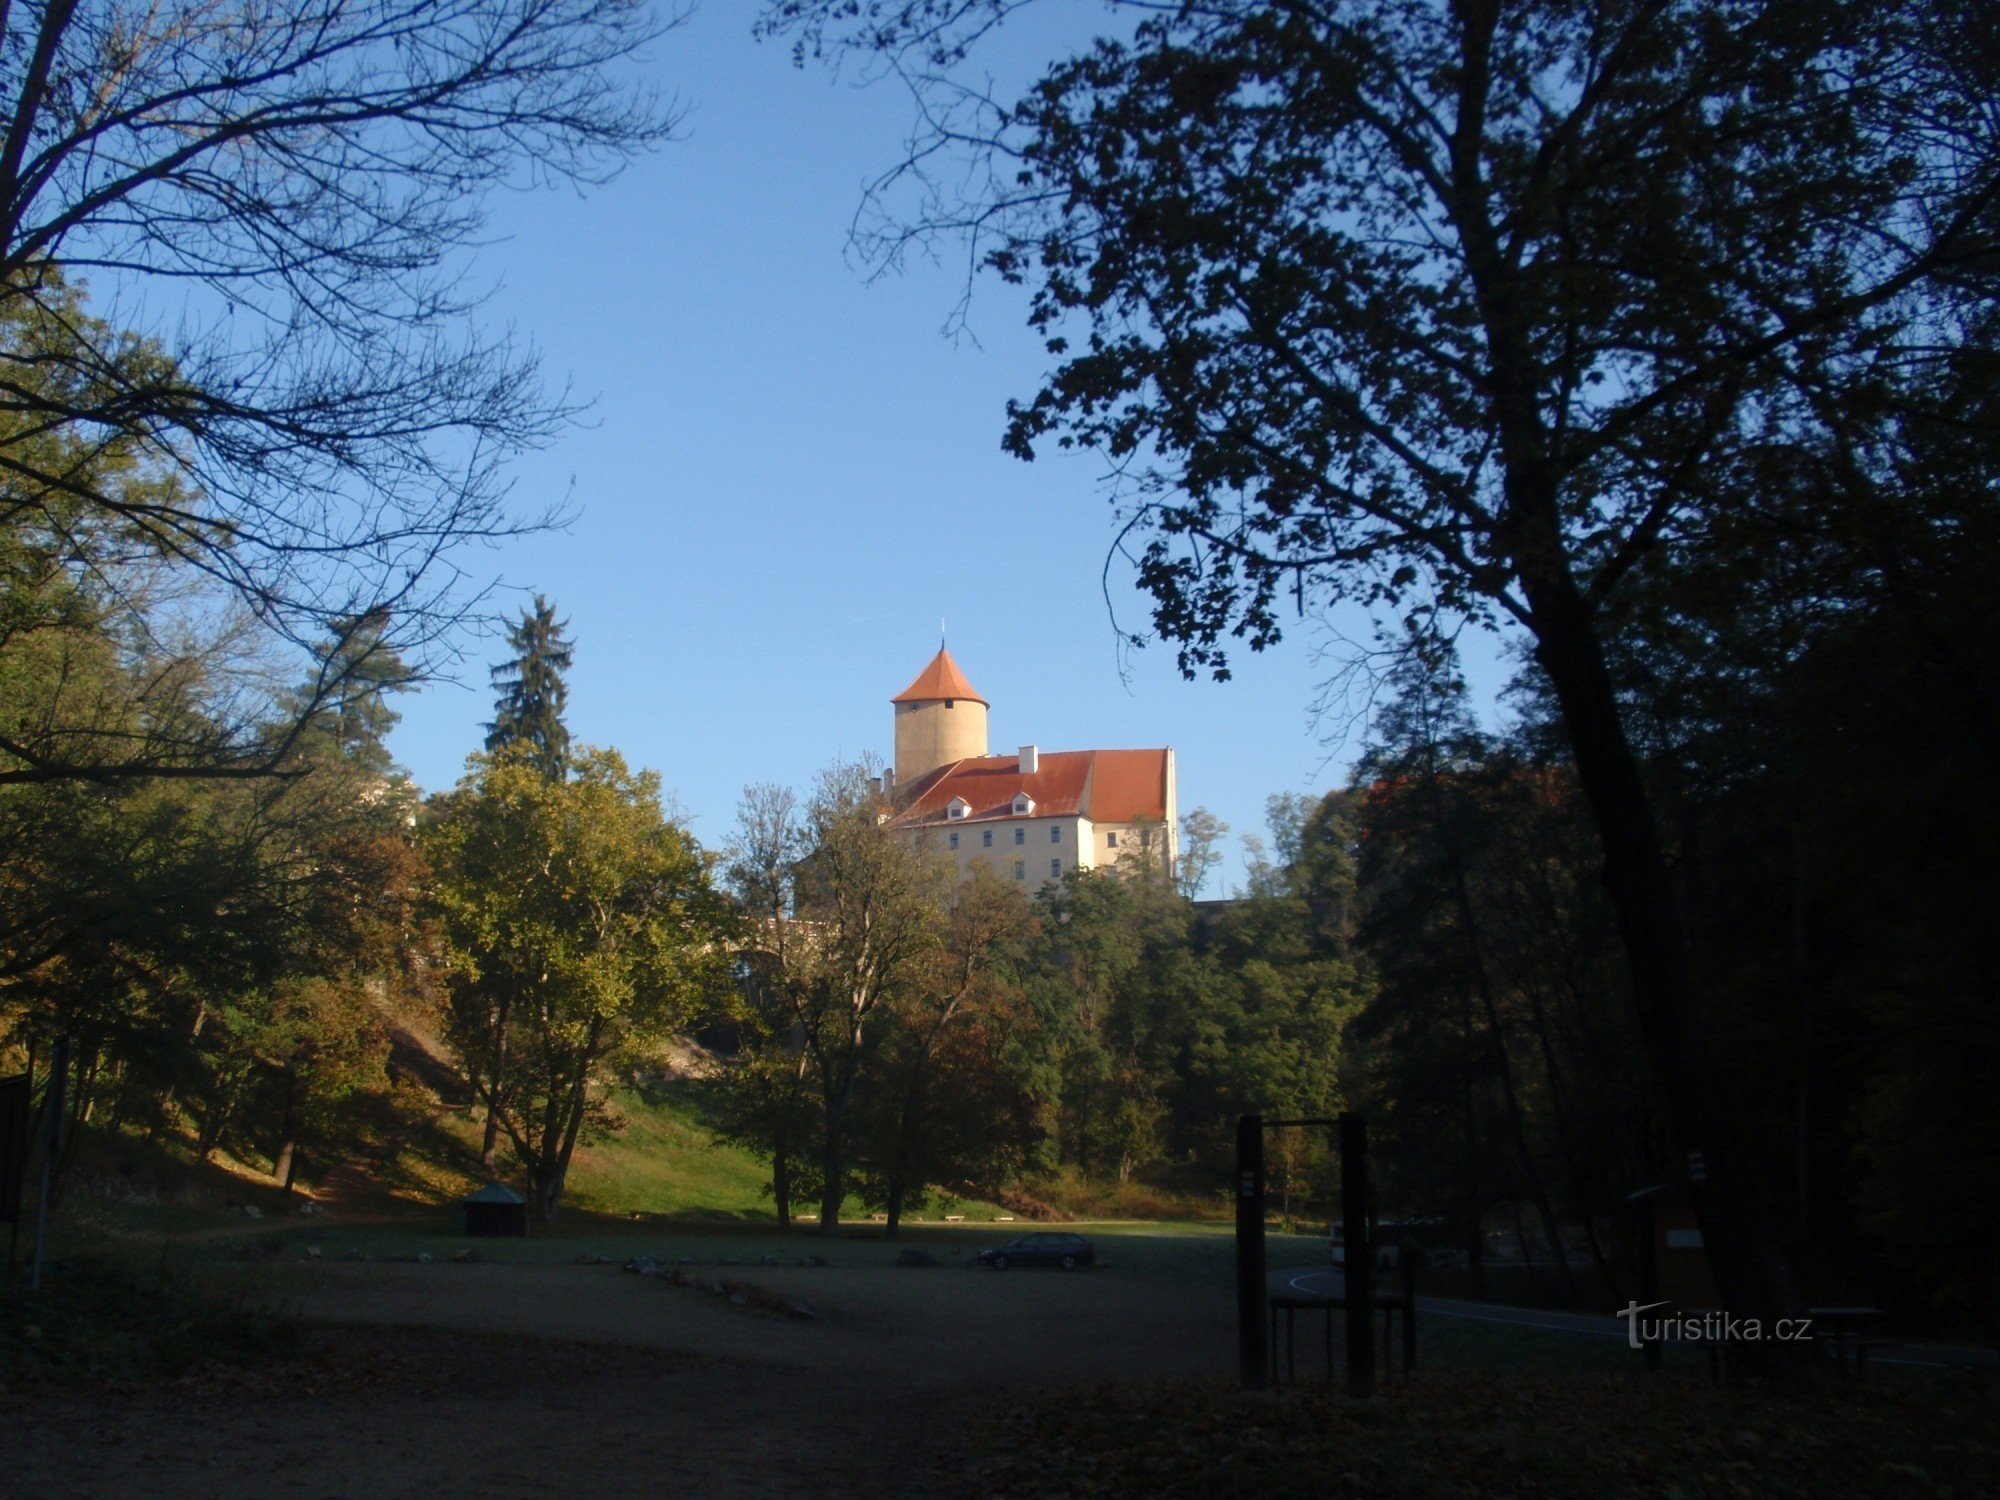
{"points": [[1031, 760]]}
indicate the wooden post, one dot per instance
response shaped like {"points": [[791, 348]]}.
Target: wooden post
{"points": [[1359, 1277], [1252, 1296]]}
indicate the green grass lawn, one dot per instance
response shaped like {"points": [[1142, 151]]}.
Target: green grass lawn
{"points": [[667, 1160]]}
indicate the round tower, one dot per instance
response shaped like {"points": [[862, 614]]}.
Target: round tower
{"points": [[940, 718]]}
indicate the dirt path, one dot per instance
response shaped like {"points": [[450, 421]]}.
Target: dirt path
{"points": [[493, 1380]]}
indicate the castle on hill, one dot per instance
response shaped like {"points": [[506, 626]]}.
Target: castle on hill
{"points": [[1032, 816]]}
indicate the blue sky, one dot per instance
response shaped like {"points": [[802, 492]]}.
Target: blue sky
{"points": [[789, 475]]}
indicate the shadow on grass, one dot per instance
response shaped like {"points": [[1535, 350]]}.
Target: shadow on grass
{"points": [[102, 1321]]}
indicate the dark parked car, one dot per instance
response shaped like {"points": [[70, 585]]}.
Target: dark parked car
{"points": [[1070, 1251]]}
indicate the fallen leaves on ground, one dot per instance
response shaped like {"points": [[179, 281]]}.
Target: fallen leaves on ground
{"points": [[1487, 1436]]}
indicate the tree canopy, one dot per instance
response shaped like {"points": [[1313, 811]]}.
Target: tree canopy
{"points": [[1480, 309], [574, 909], [285, 193]]}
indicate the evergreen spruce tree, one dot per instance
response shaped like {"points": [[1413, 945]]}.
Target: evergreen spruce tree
{"points": [[356, 671], [529, 710]]}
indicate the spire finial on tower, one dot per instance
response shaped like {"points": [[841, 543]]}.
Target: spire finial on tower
{"points": [[940, 632]]}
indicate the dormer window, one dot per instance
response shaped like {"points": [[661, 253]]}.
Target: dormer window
{"points": [[1023, 804], [958, 807]]}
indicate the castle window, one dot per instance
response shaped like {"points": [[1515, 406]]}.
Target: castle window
{"points": [[1020, 869], [986, 838], [954, 838], [958, 807], [1020, 835], [1111, 840], [1023, 804], [1055, 834], [1055, 869]]}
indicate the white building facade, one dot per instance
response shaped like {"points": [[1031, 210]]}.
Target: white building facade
{"points": [[1032, 816]]}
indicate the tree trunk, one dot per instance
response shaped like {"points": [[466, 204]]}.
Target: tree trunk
{"points": [[214, 1120], [1496, 1040], [79, 1106], [1083, 1125], [489, 1148], [286, 1162], [1565, 1135], [1527, 1252], [1475, 1197], [557, 1150], [895, 1205], [781, 1181], [1738, 1229], [1808, 1042], [839, 1099], [833, 1163]]}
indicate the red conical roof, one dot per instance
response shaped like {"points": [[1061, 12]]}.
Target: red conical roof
{"points": [[939, 681]]}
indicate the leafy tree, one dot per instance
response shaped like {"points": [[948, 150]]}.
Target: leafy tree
{"points": [[1202, 833], [1488, 308], [873, 910], [941, 1104], [1098, 935], [107, 669], [291, 189], [579, 901], [527, 714], [1268, 1035], [873, 1018], [771, 1108], [533, 694]]}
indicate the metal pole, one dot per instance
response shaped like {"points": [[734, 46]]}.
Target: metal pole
{"points": [[52, 1113], [1359, 1275], [1252, 1295]]}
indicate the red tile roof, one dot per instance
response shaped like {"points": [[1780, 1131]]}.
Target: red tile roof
{"points": [[1129, 786], [939, 681], [1106, 786]]}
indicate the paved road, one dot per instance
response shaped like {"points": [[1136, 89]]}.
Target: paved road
{"points": [[1592, 1325]]}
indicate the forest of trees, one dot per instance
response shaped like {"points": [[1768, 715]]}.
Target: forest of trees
{"points": [[1668, 346], [1663, 333], [899, 1032]]}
